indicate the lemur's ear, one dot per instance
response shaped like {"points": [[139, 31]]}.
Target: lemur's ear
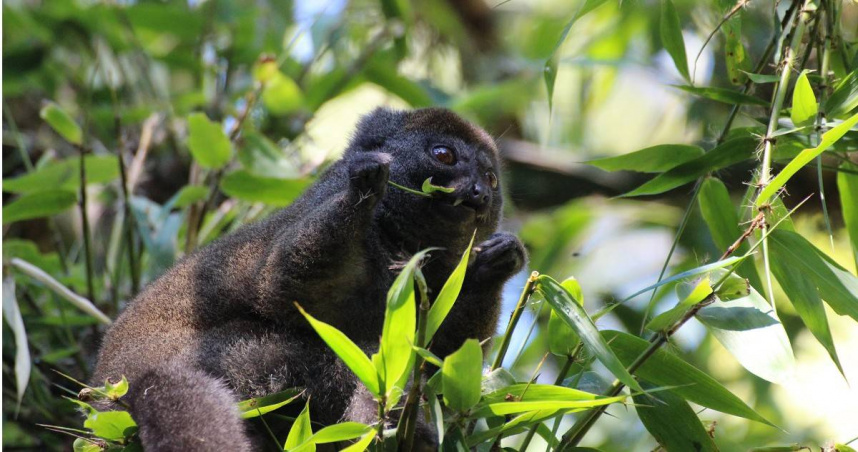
{"points": [[376, 127]]}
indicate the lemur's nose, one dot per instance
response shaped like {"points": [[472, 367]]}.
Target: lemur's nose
{"points": [[479, 195]]}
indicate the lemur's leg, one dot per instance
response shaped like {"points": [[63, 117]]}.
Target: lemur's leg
{"points": [[475, 313], [326, 250]]}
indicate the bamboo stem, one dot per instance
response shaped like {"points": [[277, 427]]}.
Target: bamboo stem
{"points": [[514, 317]]}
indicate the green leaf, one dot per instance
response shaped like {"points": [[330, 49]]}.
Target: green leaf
{"points": [[700, 291], [679, 276], [847, 186], [62, 123], [672, 421], [804, 297], [111, 425], [300, 432], [29, 251], [763, 78], [351, 354], [429, 188], [282, 95], [723, 223], [189, 194], [671, 37], [569, 310], [362, 444], [654, 159], [805, 157], [38, 204], [749, 329], [207, 142], [836, 285], [84, 445], [534, 392], [504, 408], [12, 315], [844, 99], [461, 376], [261, 405], [396, 356], [726, 96], [562, 339], [732, 288], [728, 153], [549, 70], [734, 52], [246, 186], [666, 369], [448, 294], [65, 174], [340, 432], [496, 380], [804, 106], [115, 390]]}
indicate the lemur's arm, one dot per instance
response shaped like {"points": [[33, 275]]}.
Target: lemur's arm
{"points": [[325, 250]]}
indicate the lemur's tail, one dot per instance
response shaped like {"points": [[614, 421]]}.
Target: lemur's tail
{"points": [[178, 408]]}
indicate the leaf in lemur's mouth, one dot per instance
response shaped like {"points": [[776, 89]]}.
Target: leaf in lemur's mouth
{"points": [[427, 189]]}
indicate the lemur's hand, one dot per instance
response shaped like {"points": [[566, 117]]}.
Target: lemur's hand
{"points": [[498, 258], [368, 174]]}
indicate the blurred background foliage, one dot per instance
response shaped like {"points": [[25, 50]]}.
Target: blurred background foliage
{"points": [[221, 111]]}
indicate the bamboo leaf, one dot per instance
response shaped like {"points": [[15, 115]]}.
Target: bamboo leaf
{"points": [[396, 355], [246, 186], [38, 205], [844, 99], [207, 142], [65, 174], [836, 285], [847, 186], [723, 223], [62, 123], [749, 329], [12, 315], [654, 159], [805, 157], [665, 320], [343, 431], [672, 422], [562, 339], [504, 408], [351, 354], [804, 106], [80, 302], [261, 405], [362, 444], [549, 70], [671, 37], [448, 294], [805, 298], [300, 432], [667, 369], [726, 96], [461, 376], [574, 315], [728, 153]]}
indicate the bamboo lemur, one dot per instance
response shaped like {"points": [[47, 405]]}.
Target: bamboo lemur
{"points": [[221, 326]]}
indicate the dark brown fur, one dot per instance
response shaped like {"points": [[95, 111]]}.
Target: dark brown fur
{"points": [[220, 325]]}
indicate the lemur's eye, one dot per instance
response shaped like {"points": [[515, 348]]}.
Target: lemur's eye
{"points": [[493, 180], [444, 155]]}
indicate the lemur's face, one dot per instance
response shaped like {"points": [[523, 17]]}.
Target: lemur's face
{"points": [[438, 144]]}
